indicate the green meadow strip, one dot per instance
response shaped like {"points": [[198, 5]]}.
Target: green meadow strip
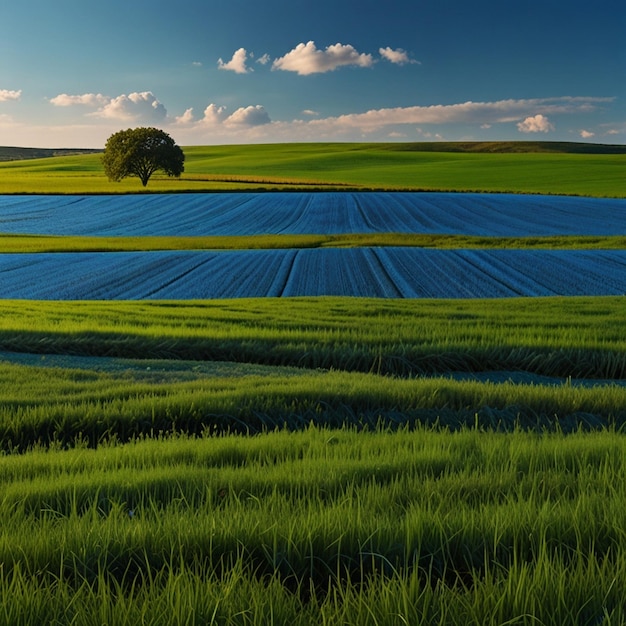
{"points": [[60, 406], [263, 364], [579, 337], [10, 243]]}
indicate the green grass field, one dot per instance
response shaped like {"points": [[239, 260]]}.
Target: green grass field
{"points": [[316, 461], [332, 166], [557, 336], [255, 365], [56, 243], [313, 461], [318, 527]]}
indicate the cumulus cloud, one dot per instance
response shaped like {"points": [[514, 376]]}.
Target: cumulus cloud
{"points": [[214, 114], [86, 99], [185, 118], [535, 124], [586, 134], [252, 123], [398, 56], [133, 107], [521, 112], [237, 64], [468, 112], [249, 116], [306, 59], [137, 106], [7, 94]]}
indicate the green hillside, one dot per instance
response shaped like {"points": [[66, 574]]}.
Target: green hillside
{"points": [[519, 167], [9, 153], [564, 147]]}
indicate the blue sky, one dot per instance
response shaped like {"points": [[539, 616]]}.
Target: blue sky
{"points": [[237, 71]]}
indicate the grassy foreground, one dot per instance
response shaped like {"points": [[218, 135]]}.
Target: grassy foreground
{"points": [[370, 493], [343, 166], [318, 527]]}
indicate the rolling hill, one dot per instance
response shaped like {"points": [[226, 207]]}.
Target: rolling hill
{"points": [[10, 153]]}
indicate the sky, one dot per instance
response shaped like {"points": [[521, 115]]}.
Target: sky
{"points": [[213, 72]]}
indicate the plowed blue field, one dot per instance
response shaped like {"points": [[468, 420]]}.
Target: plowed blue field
{"points": [[376, 272]]}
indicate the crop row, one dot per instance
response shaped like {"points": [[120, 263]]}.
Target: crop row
{"points": [[366, 272], [306, 213]]}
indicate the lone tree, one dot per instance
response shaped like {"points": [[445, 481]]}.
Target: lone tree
{"points": [[141, 152]]}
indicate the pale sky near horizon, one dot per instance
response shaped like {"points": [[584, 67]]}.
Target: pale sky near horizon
{"points": [[233, 71]]}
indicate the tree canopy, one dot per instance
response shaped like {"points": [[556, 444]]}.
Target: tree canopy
{"points": [[141, 152]]}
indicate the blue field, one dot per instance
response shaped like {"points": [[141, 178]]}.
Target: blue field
{"points": [[505, 215], [373, 272]]}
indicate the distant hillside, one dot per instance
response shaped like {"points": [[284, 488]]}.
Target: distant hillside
{"points": [[17, 154], [564, 147], [511, 147]]}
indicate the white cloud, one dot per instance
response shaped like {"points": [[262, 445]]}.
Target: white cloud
{"points": [[252, 124], [142, 106], [586, 134], [307, 59], [7, 94], [249, 116], [214, 115], [535, 124], [86, 99], [522, 112], [134, 107], [216, 125], [196, 63], [398, 56], [466, 112], [237, 64], [185, 118]]}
